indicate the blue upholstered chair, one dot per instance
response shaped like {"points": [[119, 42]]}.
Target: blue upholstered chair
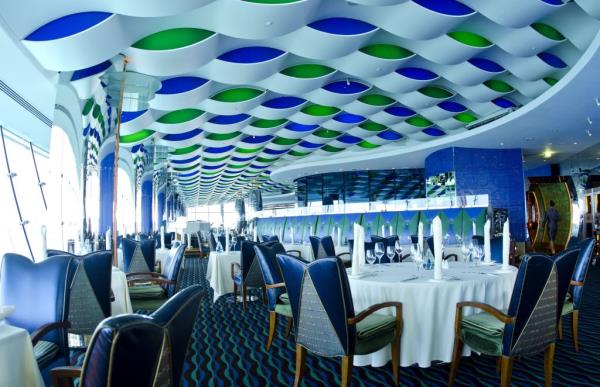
{"points": [[246, 274], [527, 328], [324, 247], [178, 316], [40, 293], [431, 247], [125, 350], [277, 301], [319, 295], [150, 290], [572, 304], [212, 241], [138, 256]]}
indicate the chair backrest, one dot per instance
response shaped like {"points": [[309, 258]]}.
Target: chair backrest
{"points": [[172, 271], [586, 249], [270, 271], [178, 316], [126, 350], [496, 249], [477, 239], [265, 238], [52, 253], [322, 247], [533, 305], [222, 241], [251, 274], [139, 256], [320, 297], [40, 292], [414, 239], [89, 300], [212, 242], [565, 262], [573, 242]]}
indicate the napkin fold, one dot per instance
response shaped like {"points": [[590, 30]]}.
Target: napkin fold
{"points": [[436, 226], [420, 236], [162, 237], [339, 236], [108, 239], [44, 242], [226, 240], [505, 244], [487, 250], [358, 251]]}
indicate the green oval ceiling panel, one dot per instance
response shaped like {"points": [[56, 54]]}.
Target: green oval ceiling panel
{"points": [[172, 39], [307, 71], [222, 136], [470, 39], [376, 100], [332, 149], [265, 124], [465, 117], [498, 85], [239, 94], [272, 1], [551, 81], [367, 145], [245, 150], [265, 160], [238, 166], [183, 169], [548, 31], [136, 137], [435, 92], [419, 121], [372, 126], [96, 112], [326, 133], [89, 104], [180, 116], [184, 151], [386, 51], [286, 141], [298, 154], [214, 159], [320, 110]]}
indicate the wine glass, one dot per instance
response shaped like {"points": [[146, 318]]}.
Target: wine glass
{"points": [[417, 255], [398, 249], [390, 252], [379, 251], [370, 257], [477, 254], [466, 252], [233, 244]]}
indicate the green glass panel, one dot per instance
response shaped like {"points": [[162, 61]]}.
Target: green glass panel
{"points": [[376, 100], [179, 116], [96, 112], [386, 51], [237, 95], [173, 38], [326, 133], [137, 136], [286, 141], [419, 121], [498, 85], [465, 117], [260, 123], [330, 148], [435, 92], [222, 136], [307, 71], [367, 145], [548, 31], [469, 38], [320, 110], [372, 126]]}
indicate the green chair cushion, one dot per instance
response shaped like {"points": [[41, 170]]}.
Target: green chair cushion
{"points": [[44, 352], [145, 291], [283, 309], [567, 307], [483, 333], [374, 332], [284, 298], [147, 304]]}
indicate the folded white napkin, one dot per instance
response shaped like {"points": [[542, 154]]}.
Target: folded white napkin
{"points": [[420, 236], [226, 240], [487, 249], [358, 252], [505, 244], [436, 226]]}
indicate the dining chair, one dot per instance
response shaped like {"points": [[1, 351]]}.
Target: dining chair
{"points": [[138, 256], [40, 293], [212, 241], [572, 303], [366, 246], [526, 328], [320, 296], [246, 274], [150, 290], [277, 300], [324, 247], [431, 246]]}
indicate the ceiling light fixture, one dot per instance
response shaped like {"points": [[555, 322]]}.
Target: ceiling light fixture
{"points": [[547, 153], [589, 120]]}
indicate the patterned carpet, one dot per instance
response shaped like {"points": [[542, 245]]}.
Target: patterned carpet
{"points": [[228, 348]]}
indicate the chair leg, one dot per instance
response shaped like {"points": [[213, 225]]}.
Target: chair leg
{"points": [[506, 371], [560, 332], [396, 359], [264, 295], [244, 296], [548, 364], [235, 290], [300, 364], [456, 354], [575, 318], [347, 370], [498, 365], [272, 325], [288, 328]]}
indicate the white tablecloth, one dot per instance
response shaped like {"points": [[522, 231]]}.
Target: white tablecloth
{"points": [[428, 307], [307, 253], [17, 362], [122, 302], [218, 272]]}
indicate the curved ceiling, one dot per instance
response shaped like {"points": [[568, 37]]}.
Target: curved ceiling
{"points": [[251, 87]]}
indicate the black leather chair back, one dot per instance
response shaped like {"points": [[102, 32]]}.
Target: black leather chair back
{"points": [[172, 270], [565, 265], [131, 251]]}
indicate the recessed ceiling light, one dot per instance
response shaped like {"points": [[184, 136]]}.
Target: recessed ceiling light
{"points": [[529, 139], [501, 144], [547, 154], [575, 143]]}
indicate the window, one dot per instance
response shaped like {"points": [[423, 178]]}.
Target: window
{"points": [[125, 204]]}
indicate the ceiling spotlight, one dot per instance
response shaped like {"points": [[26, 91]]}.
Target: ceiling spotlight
{"points": [[597, 101], [589, 133], [501, 144], [547, 153], [575, 143], [347, 82], [589, 120]]}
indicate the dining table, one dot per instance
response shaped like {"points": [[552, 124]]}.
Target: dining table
{"points": [[218, 272], [18, 366], [428, 305]]}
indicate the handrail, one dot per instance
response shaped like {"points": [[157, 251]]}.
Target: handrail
{"points": [[11, 175]]}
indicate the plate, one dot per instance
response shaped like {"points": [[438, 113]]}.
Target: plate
{"points": [[6, 310]]}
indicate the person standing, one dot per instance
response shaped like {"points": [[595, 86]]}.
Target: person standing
{"points": [[551, 218]]}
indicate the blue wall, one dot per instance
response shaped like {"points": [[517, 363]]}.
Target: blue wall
{"points": [[147, 206], [107, 165], [542, 170], [160, 207], [495, 172]]}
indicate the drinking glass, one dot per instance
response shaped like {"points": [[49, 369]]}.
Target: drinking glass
{"points": [[379, 251], [477, 254], [398, 249], [466, 252], [370, 257], [417, 255], [233, 244], [390, 252]]}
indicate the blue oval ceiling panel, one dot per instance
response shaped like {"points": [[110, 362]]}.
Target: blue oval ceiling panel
{"points": [[445, 7], [390, 135], [235, 158], [130, 116], [552, 60], [295, 127], [180, 85], [270, 151], [417, 73], [486, 65], [504, 103], [222, 149], [251, 55], [228, 120], [256, 139], [182, 136], [88, 72], [67, 26], [283, 102], [451, 106], [346, 87], [435, 132], [347, 118], [399, 111], [342, 26], [310, 145], [186, 161], [349, 139]]}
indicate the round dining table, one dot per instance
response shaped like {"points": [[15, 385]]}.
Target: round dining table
{"points": [[428, 305]]}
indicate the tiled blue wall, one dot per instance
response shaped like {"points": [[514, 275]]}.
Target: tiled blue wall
{"points": [[495, 172], [542, 170]]}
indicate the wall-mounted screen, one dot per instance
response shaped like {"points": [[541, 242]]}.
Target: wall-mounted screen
{"points": [[441, 185]]}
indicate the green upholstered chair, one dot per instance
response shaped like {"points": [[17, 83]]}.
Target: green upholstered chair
{"points": [[572, 304], [526, 328], [320, 296]]}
